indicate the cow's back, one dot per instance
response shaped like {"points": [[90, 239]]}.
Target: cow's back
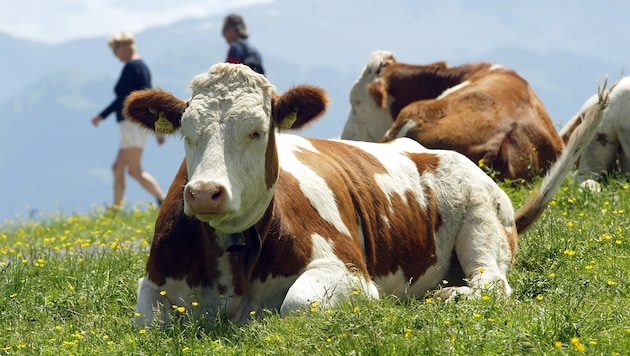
{"points": [[396, 207], [495, 117]]}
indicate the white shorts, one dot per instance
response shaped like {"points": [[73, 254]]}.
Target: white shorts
{"points": [[132, 135]]}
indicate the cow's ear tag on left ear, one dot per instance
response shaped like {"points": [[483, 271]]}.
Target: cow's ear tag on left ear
{"points": [[163, 126], [289, 120]]}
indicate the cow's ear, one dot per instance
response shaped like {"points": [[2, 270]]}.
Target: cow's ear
{"points": [[298, 106], [379, 93], [155, 109]]}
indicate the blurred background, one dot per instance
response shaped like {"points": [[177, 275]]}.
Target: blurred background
{"points": [[56, 71]]}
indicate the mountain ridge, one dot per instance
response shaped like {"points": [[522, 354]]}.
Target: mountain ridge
{"points": [[54, 159]]}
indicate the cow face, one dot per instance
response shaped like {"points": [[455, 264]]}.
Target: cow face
{"points": [[367, 120], [228, 130]]}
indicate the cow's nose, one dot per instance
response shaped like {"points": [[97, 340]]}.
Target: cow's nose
{"points": [[205, 198]]}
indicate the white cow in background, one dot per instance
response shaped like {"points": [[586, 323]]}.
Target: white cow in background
{"points": [[611, 144]]}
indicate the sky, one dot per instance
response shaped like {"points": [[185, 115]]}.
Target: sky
{"points": [[39, 20], [445, 29]]}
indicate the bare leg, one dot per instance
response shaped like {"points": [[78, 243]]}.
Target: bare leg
{"points": [[118, 169], [146, 180]]}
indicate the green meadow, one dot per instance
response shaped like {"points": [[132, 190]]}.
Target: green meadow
{"points": [[68, 287]]}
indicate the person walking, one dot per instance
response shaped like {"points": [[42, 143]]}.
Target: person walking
{"points": [[240, 51], [135, 75]]}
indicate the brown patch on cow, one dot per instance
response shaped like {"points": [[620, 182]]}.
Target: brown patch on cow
{"points": [[145, 106], [426, 162], [412, 247], [390, 241], [378, 91], [497, 117], [401, 80], [307, 102], [271, 160], [244, 262], [567, 131], [512, 237], [602, 139], [183, 247], [286, 240]]}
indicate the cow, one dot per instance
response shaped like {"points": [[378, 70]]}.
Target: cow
{"points": [[482, 110], [610, 147], [258, 219]]}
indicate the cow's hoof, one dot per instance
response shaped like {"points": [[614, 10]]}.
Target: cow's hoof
{"points": [[591, 186]]}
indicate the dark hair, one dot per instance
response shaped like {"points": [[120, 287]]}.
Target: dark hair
{"points": [[235, 21]]}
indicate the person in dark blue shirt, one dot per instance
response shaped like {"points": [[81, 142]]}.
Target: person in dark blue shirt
{"points": [[240, 51], [135, 76]]}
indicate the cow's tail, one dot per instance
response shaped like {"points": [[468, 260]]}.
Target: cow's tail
{"points": [[580, 138], [575, 122]]}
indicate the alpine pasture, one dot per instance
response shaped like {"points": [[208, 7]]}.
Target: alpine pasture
{"points": [[68, 286]]}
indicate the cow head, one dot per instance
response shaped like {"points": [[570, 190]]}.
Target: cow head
{"points": [[228, 130], [368, 119]]}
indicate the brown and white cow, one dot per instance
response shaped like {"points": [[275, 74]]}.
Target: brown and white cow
{"points": [[257, 219], [611, 145], [484, 111]]}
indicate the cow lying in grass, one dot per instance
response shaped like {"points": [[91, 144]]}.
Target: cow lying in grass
{"points": [[611, 145], [482, 110], [257, 219]]}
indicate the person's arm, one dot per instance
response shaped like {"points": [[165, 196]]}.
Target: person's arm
{"points": [[120, 88], [109, 109], [97, 120]]}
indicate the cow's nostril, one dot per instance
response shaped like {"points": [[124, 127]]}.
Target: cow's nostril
{"points": [[206, 197]]}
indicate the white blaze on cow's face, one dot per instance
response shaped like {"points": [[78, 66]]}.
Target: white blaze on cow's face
{"points": [[367, 121], [226, 129]]}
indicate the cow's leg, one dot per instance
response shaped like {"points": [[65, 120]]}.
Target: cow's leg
{"points": [[598, 158], [150, 305], [624, 150], [485, 250], [325, 283], [156, 304]]}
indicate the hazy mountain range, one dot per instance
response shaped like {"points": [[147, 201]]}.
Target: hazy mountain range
{"points": [[52, 159]]}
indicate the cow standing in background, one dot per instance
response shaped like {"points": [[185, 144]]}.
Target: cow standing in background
{"points": [[484, 111], [611, 145], [281, 222]]}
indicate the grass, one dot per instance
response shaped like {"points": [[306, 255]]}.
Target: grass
{"points": [[68, 286]]}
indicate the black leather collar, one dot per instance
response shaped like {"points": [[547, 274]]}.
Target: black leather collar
{"points": [[237, 245]]}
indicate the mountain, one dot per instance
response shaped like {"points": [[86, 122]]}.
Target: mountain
{"points": [[52, 159]]}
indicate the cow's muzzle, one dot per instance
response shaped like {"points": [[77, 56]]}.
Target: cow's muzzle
{"points": [[205, 198]]}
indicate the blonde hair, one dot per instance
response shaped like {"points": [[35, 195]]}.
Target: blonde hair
{"points": [[121, 38]]}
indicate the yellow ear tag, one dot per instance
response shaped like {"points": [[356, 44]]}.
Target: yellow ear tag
{"points": [[163, 126], [289, 120]]}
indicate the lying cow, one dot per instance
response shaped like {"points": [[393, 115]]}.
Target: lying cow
{"points": [[611, 144], [281, 221], [484, 111]]}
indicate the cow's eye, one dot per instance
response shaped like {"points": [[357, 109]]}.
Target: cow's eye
{"points": [[254, 135], [188, 141]]}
